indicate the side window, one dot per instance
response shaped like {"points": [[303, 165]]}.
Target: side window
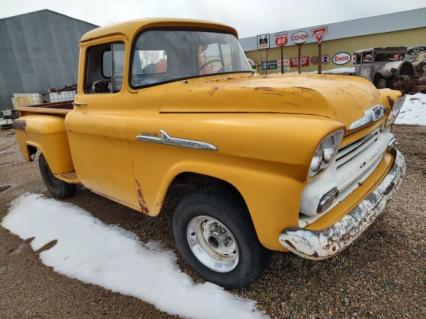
{"points": [[367, 57], [104, 68], [357, 58]]}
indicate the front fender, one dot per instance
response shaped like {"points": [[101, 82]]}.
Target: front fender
{"points": [[265, 157], [271, 195]]}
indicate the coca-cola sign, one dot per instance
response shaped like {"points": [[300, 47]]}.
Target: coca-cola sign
{"points": [[300, 37], [341, 58]]}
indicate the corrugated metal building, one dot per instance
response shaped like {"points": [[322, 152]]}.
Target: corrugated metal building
{"points": [[407, 28], [39, 50]]}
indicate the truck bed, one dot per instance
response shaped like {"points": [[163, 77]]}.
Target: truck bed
{"points": [[47, 108]]}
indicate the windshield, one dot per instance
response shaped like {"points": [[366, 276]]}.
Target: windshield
{"points": [[166, 55]]}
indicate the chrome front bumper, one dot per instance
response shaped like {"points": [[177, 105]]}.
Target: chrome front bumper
{"points": [[325, 243]]}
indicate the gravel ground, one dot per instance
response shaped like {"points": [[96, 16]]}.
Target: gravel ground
{"points": [[381, 276]]}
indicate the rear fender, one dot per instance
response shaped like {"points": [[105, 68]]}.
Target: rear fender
{"points": [[47, 134]]}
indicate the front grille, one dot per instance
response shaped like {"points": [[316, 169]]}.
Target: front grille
{"points": [[349, 152]]}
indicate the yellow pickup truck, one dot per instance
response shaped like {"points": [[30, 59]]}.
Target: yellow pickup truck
{"points": [[293, 163]]}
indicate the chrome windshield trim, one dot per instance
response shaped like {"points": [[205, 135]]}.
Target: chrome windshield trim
{"points": [[166, 139], [373, 114]]}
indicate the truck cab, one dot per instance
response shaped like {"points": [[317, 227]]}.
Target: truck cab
{"points": [[385, 67], [291, 163]]}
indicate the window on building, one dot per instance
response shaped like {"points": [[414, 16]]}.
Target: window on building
{"points": [[104, 68]]}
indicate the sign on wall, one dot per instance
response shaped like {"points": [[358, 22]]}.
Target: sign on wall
{"points": [[286, 62], [325, 59], [304, 61], [341, 58], [270, 65], [281, 39], [300, 37], [263, 41], [319, 33]]}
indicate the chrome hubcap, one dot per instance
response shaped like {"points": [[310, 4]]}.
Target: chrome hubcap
{"points": [[212, 243]]}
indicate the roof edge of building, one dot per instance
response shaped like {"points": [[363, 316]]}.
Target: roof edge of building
{"points": [[48, 11], [249, 43]]}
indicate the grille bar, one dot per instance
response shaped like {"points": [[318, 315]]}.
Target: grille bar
{"points": [[350, 151]]}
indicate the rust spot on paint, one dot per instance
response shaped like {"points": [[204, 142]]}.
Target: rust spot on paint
{"points": [[390, 100], [263, 88], [141, 200], [19, 125], [269, 90], [213, 90], [305, 89]]}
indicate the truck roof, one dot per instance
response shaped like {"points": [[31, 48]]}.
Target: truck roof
{"points": [[130, 28]]}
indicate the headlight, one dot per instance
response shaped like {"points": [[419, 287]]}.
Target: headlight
{"points": [[325, 152], [395, 110]]}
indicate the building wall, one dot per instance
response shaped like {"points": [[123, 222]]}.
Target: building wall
{"points": [[399, 38], [39, 51]]}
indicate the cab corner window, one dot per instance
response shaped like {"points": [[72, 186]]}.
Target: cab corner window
{"points": [[104, 68]]}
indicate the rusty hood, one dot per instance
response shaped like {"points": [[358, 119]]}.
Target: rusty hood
{"points": [[341, 98]]}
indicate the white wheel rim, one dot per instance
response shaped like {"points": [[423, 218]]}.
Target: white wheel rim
{"points": [[212, 243]]}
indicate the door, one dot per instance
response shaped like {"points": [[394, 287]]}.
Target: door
{"points": [[367, 65], [97, 126]]}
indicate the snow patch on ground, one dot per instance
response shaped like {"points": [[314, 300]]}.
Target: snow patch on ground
{"points": [[340, 70], [413, 112], [108, 256]]}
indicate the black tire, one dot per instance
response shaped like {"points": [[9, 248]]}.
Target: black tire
{"points": [[380, 82], [59, 189], [231, 212]]}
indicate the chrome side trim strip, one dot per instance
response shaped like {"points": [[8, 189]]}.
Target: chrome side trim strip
{"points": [[373, 114], [166, 139]]}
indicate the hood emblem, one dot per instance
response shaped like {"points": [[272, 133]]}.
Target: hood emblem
{"points": [[373, 114]]}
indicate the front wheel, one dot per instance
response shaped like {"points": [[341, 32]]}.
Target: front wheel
{"points": [[380, 82], [215, 236], [59, 189]]}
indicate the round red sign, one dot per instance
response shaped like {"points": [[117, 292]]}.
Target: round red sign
{"points": [[299, 37], [281, 41]]}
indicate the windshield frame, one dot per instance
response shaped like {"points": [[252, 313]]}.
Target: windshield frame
{"points": [[139, 34]]}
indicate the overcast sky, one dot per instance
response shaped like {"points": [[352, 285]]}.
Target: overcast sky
{"points": [[249, 17]]}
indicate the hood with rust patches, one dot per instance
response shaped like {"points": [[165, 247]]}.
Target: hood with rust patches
{"points": [[341, 98]]}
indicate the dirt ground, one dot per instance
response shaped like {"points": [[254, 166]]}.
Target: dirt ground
{"points": [[381, 276]]}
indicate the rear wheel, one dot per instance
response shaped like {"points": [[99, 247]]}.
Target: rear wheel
{"points": [[59, 189], [215, 236]]}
